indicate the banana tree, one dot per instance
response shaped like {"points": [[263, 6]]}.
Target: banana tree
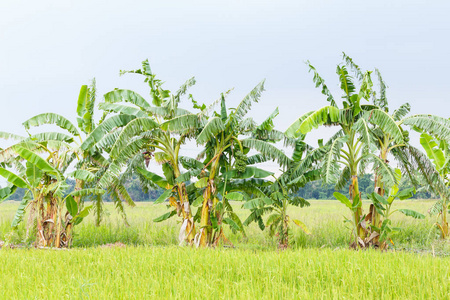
{"points": [[350, 147], [379, 234], [145, 138], [433, 166], [383, 232], [88, 142], [383, 133], [36, 178], [385, 128], [236, 174], [411, 161], [45, 184], [439, 153], [222, 133], [275, 199]]}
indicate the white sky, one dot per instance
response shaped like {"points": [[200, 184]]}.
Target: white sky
{"points": [[49, 48]]}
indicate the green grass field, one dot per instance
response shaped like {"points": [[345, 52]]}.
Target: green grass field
{"points": [[152, 266]]}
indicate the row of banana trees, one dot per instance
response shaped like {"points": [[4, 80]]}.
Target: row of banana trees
{"points": [[101, 156]]}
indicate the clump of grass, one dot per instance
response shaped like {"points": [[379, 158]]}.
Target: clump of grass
{"points": [[88, 235]]}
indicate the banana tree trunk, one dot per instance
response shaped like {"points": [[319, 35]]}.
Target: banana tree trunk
{"points": [[375, 218], [58, 229], [53, 226], [50, 222], [444, 224], [67, 239], [284, 231], [205, 234], [40, 239], [187, 232], [45, 221], [79, 184], [218, 235], [354, 193]]}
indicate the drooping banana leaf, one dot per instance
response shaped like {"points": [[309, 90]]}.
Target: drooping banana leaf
{"points": [[18, 217], [51, 118]]}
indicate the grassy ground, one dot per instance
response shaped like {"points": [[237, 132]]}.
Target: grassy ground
{"points": [[152, 266], [323, 218], [183, 273]]}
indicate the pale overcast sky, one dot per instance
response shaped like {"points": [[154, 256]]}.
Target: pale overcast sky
{"points": [[49, 48]]}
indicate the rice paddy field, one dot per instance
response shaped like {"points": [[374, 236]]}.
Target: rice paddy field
{"points": [[146, 262]]}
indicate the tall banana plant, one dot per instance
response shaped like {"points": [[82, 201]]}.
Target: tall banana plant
{"points": [[144, 138], [384, 133], [222, 134], [408, 157], [88, 141], [351, 146], [385, 127]]}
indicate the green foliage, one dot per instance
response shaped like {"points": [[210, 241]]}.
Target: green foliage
{"points": [[51, 118], [36, 160], [383, 206], [163, 196], [244, 106], [412, 213], [344, 200], [13, 178], [104, 128], [434, 152], [320, 82], [119, 95], [72, 206], [20, 213], [212, 128], [165, 216], [326, 115], [121, 109], [83, 175]]}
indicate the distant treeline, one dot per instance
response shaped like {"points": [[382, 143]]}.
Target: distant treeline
{"points": [[312, 190], [317, 190]]}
